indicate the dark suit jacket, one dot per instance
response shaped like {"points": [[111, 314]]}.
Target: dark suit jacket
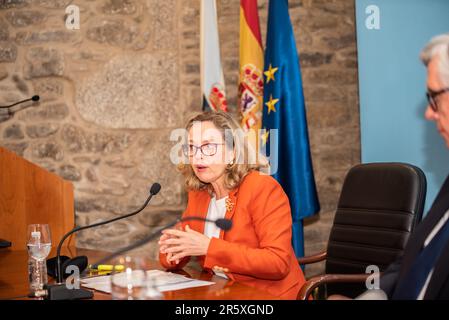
{"points": [[438, 287]]}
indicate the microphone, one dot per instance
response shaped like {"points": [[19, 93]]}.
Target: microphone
{"points": [[34, 98], [4, 243], [224, 224], [155, 188]]}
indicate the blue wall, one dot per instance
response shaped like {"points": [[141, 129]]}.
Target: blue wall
{"points": [[392, 84]]}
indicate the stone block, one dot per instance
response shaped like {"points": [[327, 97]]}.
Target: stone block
{"points": [[57, 111], [330, 77], [13, 132], [91, 175], [53, 4], [132, 92], [190, 15], [42, 130], [341, 42], [119, 7], [163, 24], [20, 84], [113, 32], [25, 18], [4, 31], [8, 52], [8, 4], [327, 115], [43, 62], [41, 37], [18, 148], [77, 139], [69, 172], [315, 59], [49, 149], [48, 89], [156, 217]]}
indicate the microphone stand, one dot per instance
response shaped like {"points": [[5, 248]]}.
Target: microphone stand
{"points": [[34, 98], [59, 291], [59, 277], [224, 224]]}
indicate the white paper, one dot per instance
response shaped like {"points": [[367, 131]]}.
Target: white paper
{"points": [[162, 280]]}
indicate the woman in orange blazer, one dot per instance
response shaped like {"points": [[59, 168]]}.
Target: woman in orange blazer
{"points": [[224, 181]]}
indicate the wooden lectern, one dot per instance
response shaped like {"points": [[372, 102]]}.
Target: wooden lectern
{"points": [[30, 194]]}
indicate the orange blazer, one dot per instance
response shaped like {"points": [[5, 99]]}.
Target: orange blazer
{"points": [[257, 250]]}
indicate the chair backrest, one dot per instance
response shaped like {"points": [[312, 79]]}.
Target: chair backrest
{"points": [[380, 204]]}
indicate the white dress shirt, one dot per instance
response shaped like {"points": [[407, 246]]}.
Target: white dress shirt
{"points": [[217, 210]]}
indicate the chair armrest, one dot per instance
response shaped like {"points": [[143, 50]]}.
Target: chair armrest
{"points": [[313, 259], [317, 281]]}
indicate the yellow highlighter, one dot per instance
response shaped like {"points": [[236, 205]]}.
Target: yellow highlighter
{"points": [[107, 267]]}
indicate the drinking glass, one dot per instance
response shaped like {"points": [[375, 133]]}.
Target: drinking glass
{"points": [[39, 246], [133, 283]]}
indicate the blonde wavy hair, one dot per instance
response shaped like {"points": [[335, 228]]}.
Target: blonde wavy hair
{"points": [[246, 158]]}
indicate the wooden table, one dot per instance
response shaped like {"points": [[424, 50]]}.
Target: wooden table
{"points": [[14, 281]]}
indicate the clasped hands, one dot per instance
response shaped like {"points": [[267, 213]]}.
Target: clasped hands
{"points": [[178, 244]]}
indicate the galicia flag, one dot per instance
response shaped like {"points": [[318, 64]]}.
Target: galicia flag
{"points": [[212, 79]]}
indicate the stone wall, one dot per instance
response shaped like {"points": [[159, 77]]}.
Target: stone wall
{"points": [[112, 91]]}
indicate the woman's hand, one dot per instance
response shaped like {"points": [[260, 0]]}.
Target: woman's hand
{"points": [[162, 248], [162, 242], [179, 244]]}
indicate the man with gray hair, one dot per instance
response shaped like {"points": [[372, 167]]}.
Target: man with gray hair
{"points": [[423, 271], [436, 57]]}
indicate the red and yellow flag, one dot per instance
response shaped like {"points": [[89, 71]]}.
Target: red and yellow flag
{"points": [[251, 66]]}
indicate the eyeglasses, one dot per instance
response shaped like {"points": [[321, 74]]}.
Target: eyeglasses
{"points": [[208, 149], [431, 97]]}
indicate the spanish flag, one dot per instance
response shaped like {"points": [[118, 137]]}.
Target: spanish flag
{"points": [[251, 66]]}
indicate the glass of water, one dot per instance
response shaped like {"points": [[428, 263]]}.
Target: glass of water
{"points": [[132, 281], [39, 246]]}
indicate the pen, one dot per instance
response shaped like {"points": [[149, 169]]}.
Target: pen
{"points": [[106, 267]]}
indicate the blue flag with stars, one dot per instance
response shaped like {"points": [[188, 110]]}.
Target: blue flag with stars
{"points": [[284, 110]]}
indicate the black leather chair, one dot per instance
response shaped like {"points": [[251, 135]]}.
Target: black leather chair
{"points": [[380, 204]]}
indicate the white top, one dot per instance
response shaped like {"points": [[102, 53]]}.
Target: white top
{"points": [[429, 238], [217, 210]]}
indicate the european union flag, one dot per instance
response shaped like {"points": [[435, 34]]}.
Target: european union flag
{"points": [[284, 110]]}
